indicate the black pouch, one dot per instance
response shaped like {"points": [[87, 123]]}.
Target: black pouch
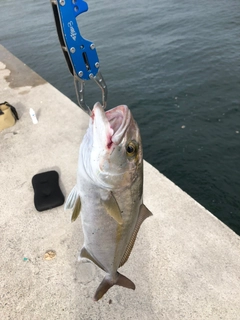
{"points": [[47, 193]]}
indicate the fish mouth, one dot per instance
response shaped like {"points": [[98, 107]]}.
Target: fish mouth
{"points": [[115, 122]]}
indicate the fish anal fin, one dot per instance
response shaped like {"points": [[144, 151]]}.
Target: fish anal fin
{"points": [[144, 213], [76, 210], [85, 254], [108, 282], [112, 208]]}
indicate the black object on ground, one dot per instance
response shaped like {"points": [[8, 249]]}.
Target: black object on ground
{"points": [[47, 193]]}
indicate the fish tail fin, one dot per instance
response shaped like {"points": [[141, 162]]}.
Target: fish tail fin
{"points": [[71, 199], [108, 282], [124, 282]]}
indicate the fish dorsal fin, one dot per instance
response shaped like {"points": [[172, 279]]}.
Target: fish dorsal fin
{"points": [[71, 199], [112, 207], [85, 254], [144, 213], [76, 210]]}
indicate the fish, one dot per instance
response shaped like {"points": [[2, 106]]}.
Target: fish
{"points": [[108, 194]]}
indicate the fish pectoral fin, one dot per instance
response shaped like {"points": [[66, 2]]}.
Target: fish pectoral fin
{"points": [[85, 254], [108, 282], [71, 199], [73, 202], [112, 208], [144, 213], [76, 210]]}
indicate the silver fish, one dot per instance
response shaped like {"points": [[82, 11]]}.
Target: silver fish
{"points": [[109, 192]]}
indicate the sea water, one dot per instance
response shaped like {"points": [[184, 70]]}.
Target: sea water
{"points": [[176, 64]]}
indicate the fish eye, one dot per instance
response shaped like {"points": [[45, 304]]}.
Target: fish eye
{"points": [[132, 148]]}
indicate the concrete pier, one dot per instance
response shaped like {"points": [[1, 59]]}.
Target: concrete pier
{"points": [[185, 263]]}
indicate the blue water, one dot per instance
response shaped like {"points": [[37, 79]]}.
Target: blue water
{"points": [[176, 64]]}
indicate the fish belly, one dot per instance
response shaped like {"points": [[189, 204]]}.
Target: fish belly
{"points": [[104, 238]]}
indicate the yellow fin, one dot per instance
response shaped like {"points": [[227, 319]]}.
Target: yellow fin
{"points": [[112, 208], [76, 210], [144, 213]]}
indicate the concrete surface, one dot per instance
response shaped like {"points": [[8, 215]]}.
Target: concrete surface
{"points": [[185, 263]]}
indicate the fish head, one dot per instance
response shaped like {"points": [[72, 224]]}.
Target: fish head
{"points": [[115, 157]]}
